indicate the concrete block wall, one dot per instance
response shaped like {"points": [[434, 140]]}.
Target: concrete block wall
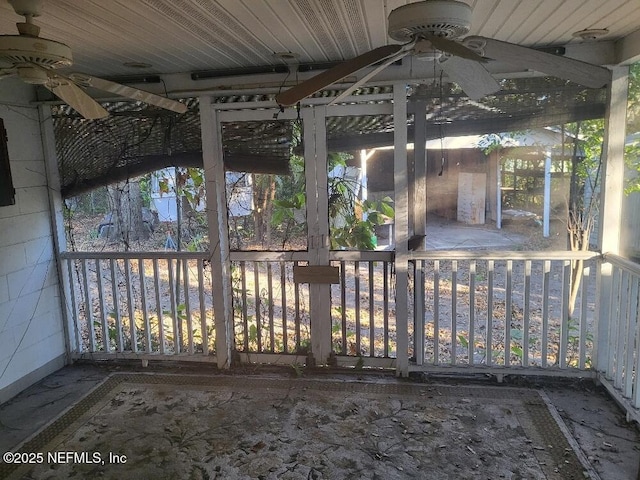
{"points": [[31, 327]]}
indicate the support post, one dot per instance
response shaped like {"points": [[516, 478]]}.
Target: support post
{"points": [[419, 220], [610, 218], [401, 188], [315, 155], [56, 208], [215, 185]]}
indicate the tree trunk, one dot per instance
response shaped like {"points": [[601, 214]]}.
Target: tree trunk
{"points": [[126, 213]]}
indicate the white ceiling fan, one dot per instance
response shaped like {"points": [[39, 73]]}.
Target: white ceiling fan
{"points": [[433, 29], [35, 60]]}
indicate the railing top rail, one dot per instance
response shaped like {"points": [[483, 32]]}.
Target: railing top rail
{"points": [[622, 262], [502, 255], [268, 256], [134, 255], [356, 256]]}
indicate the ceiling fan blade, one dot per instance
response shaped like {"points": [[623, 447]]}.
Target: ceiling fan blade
{"points": [[453, 48], [368, 76], [128, 92], [75, 97], [334, 74], [526, 58], [472, 77]]}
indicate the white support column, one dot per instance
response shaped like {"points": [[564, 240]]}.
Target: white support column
{"points": [[56, 207], [401, 188], [419, 208], [213, 162], [611, 188], [546, 206], [321, 293]]}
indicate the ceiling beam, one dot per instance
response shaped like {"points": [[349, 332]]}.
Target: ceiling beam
{"points": [[628, 49], [470, 127]]}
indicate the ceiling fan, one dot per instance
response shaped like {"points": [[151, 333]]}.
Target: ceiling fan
{"points": [[35, 60], [432, 29]]}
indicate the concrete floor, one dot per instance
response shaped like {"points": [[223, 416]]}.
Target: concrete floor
{"points": [[593, 420]]}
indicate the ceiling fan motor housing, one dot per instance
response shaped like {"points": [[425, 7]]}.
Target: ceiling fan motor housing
{"points": [[442, 18], [20, 49]]}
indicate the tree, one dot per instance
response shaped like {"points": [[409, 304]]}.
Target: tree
{"points": [[126, 213]]}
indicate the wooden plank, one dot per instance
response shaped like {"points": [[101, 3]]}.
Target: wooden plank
{"points": [[88, 308], [526, 313], [115, 294], [130, 306], [454, 313], [489, 330], [203, 311], [143, 304], [546, 268], [322, 274], [472, 311]]}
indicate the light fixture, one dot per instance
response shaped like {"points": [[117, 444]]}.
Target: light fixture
{"points": [[137, 65], [285, 55], [591, 33]]}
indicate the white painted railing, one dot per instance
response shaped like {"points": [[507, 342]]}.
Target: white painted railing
{"points": [[137, 304], [619, 361], [271, 312], [511, 311], [363, 320], [503, 310]]}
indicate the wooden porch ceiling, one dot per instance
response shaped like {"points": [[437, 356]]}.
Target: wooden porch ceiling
{"points": [[136, 139]]}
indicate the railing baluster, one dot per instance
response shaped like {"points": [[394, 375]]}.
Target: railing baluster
{"points": [[130, 306], [418, 311], [454, 313], [74, 307], [245, 313], [343, 305], [526, 313], [143, 302], [631, 321], [436, 312], [256, 292], [385, 302], [159, 313], [622, 329], [546, 268], [283, 298], [472, 312], [88, 309], [204, 335], [489, 331], [106, 340], [564, 321], [177, 339], [187, 304], [584, 307], [636, 314], [508, 314], [372, 326], [272, 336], [614, 322], [296, 294], [356, 279], [115, 294]]}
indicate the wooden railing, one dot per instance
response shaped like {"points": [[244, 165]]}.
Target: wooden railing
{"points": [[137, 304], [619, 346], [504, 310]]}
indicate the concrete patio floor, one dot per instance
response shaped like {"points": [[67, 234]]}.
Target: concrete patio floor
{"points": [[593, 420]]}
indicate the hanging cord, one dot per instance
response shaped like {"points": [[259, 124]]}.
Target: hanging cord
{"points": [[441, 126]]}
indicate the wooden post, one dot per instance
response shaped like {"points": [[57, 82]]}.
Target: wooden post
{"points": [[401, 188], [610, 219], [56, 208], [214, 175]]}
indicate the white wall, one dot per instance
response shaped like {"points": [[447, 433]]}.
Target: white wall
{"points": [[31, 329]]}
